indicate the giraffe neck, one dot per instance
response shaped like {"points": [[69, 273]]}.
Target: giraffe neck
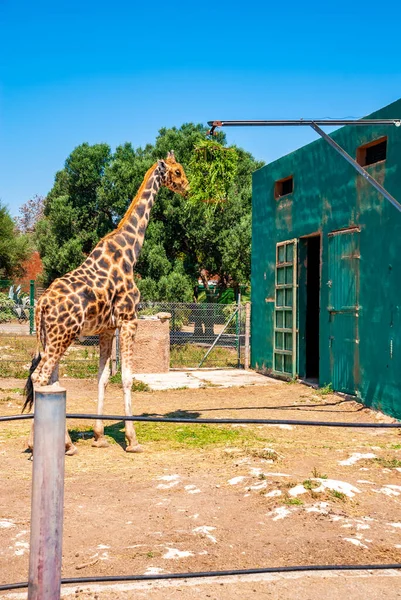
{"points": [[135, 221]]}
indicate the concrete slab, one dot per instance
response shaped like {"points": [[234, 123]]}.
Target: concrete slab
{"points": [[202, 378]]}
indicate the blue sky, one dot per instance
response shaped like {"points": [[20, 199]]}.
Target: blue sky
{"points": [[118, 71]]}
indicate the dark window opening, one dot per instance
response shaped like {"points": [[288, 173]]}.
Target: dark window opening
{"points": [[283, 187], [312, 308], [372, 153]]}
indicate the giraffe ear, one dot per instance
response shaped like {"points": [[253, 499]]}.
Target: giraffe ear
{"points": [[162, 166]]}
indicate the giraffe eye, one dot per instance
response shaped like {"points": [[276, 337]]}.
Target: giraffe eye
{"points": [[178, 172]]}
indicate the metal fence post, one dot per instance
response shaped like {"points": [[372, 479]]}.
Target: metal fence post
{"points": [[238, 330], [47, 494], [31, 306], [247, 334]]}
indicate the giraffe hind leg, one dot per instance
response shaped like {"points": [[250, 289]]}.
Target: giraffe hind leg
{"points": [[127, 337], [45, 373], [105, 350]]}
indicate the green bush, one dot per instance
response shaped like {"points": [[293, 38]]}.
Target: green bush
{"points": [[6, 308]]}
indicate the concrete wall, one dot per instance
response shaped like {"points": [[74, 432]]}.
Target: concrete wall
{"points": [[152, 346], [329, 195]]}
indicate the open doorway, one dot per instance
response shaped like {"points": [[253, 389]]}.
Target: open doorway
{"points": [[312, 308]]}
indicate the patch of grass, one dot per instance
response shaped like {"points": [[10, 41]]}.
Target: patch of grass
{"points": [[338, 495], [317, 474], [395, 446], [293, 501], [81, 370], [190, 355], [262, 476], [388, 463], [325, 390], [7, 399], [179, 436], [12, 390], [265, 453], [310, 485], [137, 386], [13, 369]]}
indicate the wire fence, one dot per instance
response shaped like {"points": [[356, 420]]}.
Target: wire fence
{"points": [[201, 335]]}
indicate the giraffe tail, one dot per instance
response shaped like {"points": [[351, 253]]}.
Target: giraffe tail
{"points": [[28, 390], [40, 334]]}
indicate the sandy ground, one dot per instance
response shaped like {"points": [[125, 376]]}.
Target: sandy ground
{"points": [[219, 497]]}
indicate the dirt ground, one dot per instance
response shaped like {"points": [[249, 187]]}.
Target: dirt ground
{"points": [[207, 497]]}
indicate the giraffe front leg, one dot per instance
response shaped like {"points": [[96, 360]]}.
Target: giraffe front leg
{"points": [[105, 349], [127, 336]]}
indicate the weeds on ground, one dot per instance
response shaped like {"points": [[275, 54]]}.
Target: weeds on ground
{"points": [[13, 369], [388, 463], [310, 485], [293, 501], [189, 355], [316, 474], [325, 390], [137, 386], [265, 453], [338, 495]]}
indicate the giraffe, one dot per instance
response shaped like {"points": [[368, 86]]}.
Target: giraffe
{"points": [[97, 298]]}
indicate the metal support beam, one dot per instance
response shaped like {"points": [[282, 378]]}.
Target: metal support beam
{"points": [[357, 166], [314, 123], [303, 122], [47, 494]]}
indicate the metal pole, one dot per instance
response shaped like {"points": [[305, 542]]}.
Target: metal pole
{"points": [[238, 331], [247, 334], [31, 306], [217, 338], [303, 122], [47, 494], [357, 166]]}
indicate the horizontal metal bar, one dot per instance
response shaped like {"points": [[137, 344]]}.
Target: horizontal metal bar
{"points": [[302, 122], [215, 421], [201, 574]]}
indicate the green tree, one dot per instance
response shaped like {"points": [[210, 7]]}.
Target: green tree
{"points": [[184, 240], [76, 215], [14, 246]]}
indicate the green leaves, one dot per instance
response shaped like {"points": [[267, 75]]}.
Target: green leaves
{"points": [[211, 172], [14, 247]]}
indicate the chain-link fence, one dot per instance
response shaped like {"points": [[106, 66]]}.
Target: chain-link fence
{"points": [[201, 335]]}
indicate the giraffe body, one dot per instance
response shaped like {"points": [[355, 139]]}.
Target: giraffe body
{"points": [[100, 296]]}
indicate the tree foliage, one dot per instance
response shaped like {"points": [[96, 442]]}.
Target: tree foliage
{"points": [[30, 213], [212, 170], [185, 240], [14, 247]]}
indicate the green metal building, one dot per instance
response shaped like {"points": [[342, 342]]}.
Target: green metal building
{"points": [[326, 265]]}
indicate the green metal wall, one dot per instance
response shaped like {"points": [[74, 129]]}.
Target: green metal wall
{"points": [[329, 195]]}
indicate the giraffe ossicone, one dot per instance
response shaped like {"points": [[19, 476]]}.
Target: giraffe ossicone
{"points": [[98, 297]]}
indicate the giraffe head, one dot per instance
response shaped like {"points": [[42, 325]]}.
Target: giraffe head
{"points": [[173, 175]]}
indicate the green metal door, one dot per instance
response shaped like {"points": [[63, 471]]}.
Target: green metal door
{"points": [[285, 310], [344, 258]]}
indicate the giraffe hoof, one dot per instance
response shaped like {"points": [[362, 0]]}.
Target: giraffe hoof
{"points": [[71, 451], [101, 443], [138, 448]]}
